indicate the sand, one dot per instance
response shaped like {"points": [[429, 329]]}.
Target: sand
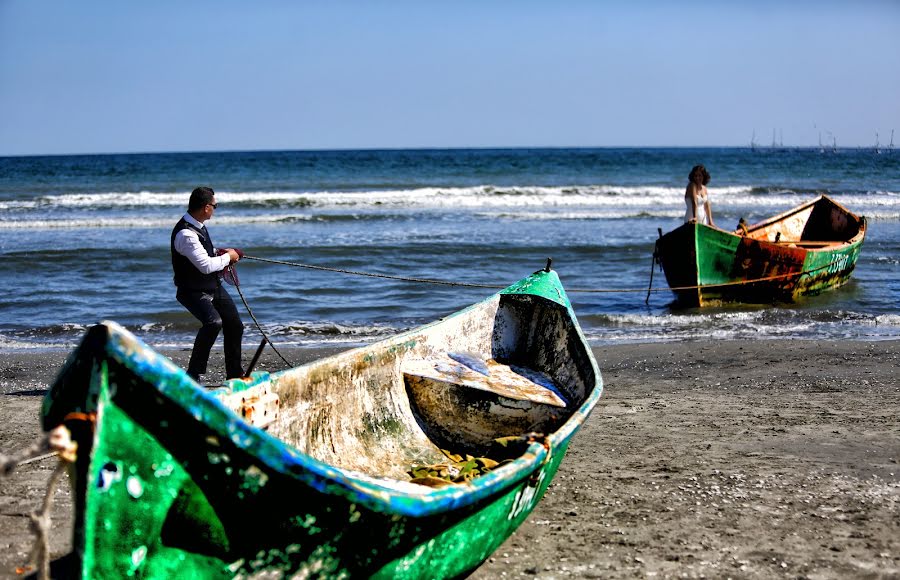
{"points": [[741, 459]]}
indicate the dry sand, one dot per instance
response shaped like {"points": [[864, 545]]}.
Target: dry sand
{"points": [[745, 459]]}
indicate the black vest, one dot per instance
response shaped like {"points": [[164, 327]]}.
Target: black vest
{"points": [[187, 276]]}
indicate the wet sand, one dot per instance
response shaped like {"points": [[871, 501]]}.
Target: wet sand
{"points": [[744, 459]]}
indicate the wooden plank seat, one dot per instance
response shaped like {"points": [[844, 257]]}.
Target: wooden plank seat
{"points": [[474, 371]]}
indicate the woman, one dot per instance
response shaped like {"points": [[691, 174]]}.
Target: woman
{"points": [[697, 198]]}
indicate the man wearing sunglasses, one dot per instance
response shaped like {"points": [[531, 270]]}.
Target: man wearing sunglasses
{"points": [[199, 286]]}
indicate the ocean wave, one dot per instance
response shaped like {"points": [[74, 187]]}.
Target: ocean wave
{"points": [[678, 320], [154, 199], [181, 334], [167, 222], [758, 315], [424, 196], [332, 330], [888, 320], [599, 329], [604, 195], [62, 329], [582, 215], [305, 328], [758, 324], [582, 202], [14, 344], [537, 214]]}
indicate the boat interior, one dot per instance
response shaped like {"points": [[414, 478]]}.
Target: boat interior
{"points": [[484, 382], [820, 223]]}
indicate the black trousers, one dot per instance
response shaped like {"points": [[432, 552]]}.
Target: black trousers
{"points": [[216, 311]]}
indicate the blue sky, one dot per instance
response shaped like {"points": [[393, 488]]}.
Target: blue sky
{"points": [[125, 76]]}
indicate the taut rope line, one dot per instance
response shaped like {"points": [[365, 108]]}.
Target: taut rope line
{"points": [[258, 326], [372, 275], [568, 290]]}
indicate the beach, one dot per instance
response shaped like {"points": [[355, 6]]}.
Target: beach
{"points": [[705, 458], [749, 423]]}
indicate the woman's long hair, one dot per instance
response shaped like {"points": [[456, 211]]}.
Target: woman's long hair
{"points": [[699, 174]]}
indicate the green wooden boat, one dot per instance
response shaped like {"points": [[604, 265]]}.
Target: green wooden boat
{"points": [[806, 250], [317, 471]]}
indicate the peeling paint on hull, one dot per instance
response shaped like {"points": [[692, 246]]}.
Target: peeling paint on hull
{"points": [[171, 480], [806, 250]]}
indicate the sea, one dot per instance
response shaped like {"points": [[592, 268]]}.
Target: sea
{"points": [[352, 239]]}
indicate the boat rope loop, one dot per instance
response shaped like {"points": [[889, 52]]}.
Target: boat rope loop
{"points": [[568, 290], [59, 441]]}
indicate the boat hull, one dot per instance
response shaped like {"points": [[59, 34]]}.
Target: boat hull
{"points": [[706, 266], [221, 518], [170, 480]]}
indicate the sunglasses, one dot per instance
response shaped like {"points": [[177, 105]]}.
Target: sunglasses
{"points": [[214, 205]]}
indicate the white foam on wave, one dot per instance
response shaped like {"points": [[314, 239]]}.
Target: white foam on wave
{"points": [[477, 197], [761, 323], [441, 196], [145, 223], [887, 320], [606, 201], [149, 199], [100, 200], [730, 193], [7, 343], [247, 219], [721, 324], [582, 215], [681, 320], [334, 331]]}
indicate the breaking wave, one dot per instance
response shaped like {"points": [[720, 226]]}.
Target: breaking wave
{"points": [[479, 196]]}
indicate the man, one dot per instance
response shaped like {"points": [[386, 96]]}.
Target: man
{"points": [[197, 265]]}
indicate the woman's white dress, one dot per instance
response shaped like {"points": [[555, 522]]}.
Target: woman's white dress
{"points": [[702, 218]]}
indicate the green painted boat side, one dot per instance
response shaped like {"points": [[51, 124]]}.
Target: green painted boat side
{"points": [[804, 251], [170, 481]]}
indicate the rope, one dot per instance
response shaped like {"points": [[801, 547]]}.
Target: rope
{"points": [[373, 275], [568, 290], [39, 458], [59, 440], [34, 452], [723, 284], [40, 525], [653, 260], [256, 322]]}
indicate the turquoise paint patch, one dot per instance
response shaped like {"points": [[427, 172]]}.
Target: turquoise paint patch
{"points": [[542, 283]]}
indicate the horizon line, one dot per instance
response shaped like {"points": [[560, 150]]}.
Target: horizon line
{"points": [[754, 147]]}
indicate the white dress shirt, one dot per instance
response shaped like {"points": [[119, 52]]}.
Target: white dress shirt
{"points": [[187, 243]]}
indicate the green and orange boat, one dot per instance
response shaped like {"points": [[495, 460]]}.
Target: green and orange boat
{"points": [[806, 250], [413, 457]]}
